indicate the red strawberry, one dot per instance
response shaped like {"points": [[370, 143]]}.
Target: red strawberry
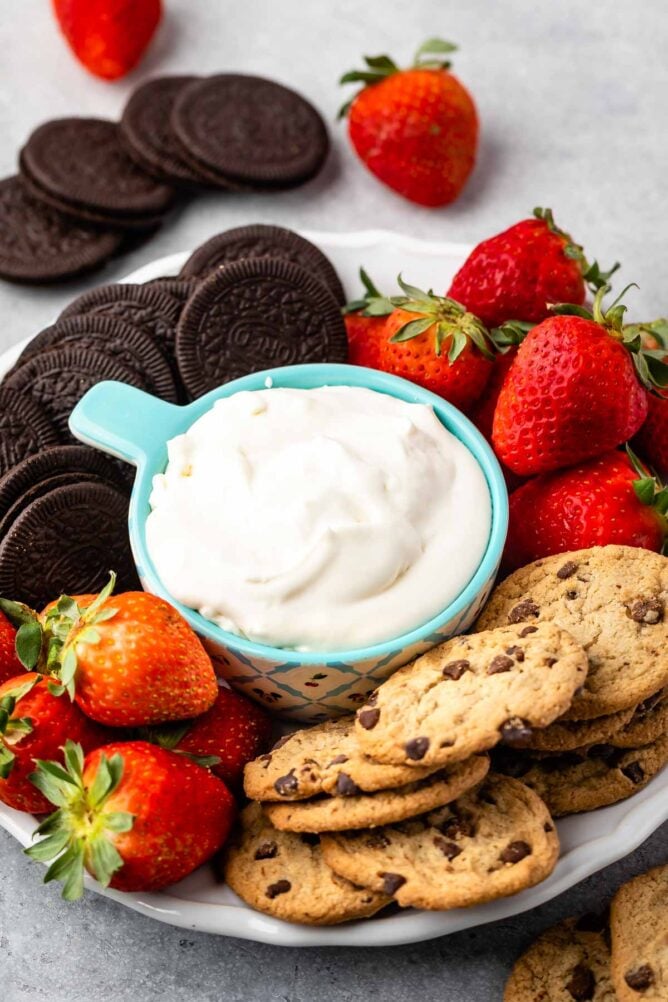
{"points": [[365, 324], [233, 732], [130, 660], [434, 342], [482, 414], [652, 439], [572, 392], [517, 274], [605, 500], [10, 666], [108, 36], [136, 816], [415, 129], [36, 724]]}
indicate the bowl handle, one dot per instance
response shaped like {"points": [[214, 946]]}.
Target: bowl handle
{"points": [[125, 421]]}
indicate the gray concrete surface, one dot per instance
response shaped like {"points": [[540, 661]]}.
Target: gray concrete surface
{"points": [[572, 102]]}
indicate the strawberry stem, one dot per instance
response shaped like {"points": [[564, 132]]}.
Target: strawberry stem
{"points": [[448, 319], [429, 56], [77, 834], [593, 275]]}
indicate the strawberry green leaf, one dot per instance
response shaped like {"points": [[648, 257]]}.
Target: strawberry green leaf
{"points": [[118, 821], [7, 759], [644, 490], [383, 63], [49, 847], [17, 613], [413, 292], [166, 735], [206, 761], [411, 329], [457, 344], [29, 644], [105, 860]]}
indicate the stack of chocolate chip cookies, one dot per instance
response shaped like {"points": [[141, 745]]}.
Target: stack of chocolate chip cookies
{"points": [[614, 737], [618, 956], [87, 188], [250, 298], [399, 800]]}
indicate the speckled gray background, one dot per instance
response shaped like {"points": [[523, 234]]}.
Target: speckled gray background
{"points": [[572, 101]]}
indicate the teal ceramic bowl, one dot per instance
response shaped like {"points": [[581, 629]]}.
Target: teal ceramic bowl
{"points": [[310, 687]]}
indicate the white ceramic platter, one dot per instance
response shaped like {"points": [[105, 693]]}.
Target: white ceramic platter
{"points": [[589, 841]]}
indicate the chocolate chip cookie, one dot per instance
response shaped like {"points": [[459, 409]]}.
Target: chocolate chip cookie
{"points": [[322, 759], [569, 963], [588, 778], [565, 735], [285, 875], [471, 692], [613, 600], [494, 841], [356, 809], [639, 928], [648, 723]]}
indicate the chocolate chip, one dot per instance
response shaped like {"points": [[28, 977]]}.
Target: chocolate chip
{"points": [[455, 669], [582, 985], [607, 753], [338, 760], [648, 704], [635, 772], [345, 787], [392, 882], [280, 887], [285, 785], [567, 570], [310, 838], [647, 610], [378, 840], [516, 652], [446, 743], [516, 732], [515, 851], [282, 741], [372, 698], [449, 849], [547, 827], [368, 718], [527, 630], [550, 662], [571, 594], [417, 748], [266, 850], [523, 611], [458, 827], [500, 664], [640, 978]]}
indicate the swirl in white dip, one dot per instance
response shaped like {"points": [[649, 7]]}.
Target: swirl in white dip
{"points": [[319, 520]]}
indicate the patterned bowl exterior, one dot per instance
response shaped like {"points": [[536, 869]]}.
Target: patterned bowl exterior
{"points": [[310, 693], [302, 687]]}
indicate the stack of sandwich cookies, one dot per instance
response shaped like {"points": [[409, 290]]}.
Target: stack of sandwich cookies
{"points": [[129, 333], [67, 508], [86, 185], [613, 739]]}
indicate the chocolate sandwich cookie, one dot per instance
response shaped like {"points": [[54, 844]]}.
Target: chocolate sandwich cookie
{"points": [[66, 542], [77, 461], [250, 130], [178, 287], [39, 244], [144, 306], [263, 241], [57, 380], [122, 342], [146, 133], [25, 428], [80, 164], [255, 315]]}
